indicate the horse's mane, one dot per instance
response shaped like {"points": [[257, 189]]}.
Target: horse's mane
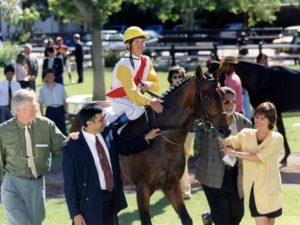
{"points": [[175, 87]]}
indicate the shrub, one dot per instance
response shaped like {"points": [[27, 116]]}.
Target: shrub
{"points": [[8, 53], [111, 58]]}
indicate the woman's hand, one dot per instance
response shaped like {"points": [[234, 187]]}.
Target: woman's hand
{"points": [[152, 134], [229, 151]]}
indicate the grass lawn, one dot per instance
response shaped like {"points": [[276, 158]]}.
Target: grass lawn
{"points": [[163, 214]]}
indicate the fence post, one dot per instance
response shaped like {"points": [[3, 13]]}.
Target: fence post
{"points": [[172, 53], [215, 51], [260, 47]]}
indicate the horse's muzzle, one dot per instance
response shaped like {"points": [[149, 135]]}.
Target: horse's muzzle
{"points": [[224, 132]]}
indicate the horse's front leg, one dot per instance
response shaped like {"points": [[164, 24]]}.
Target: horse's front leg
{"points": [[143, 195], [174, 194]]}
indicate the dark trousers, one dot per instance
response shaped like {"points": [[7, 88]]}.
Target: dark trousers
{"points": [[225, 205], [79, 67], [57, 115], [24, 84], [5, 113], [109, 212]]}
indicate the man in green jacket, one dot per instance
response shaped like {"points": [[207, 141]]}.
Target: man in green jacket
{"points": [[26, 145]]}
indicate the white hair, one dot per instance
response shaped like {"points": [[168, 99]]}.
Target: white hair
{"points": [[20, 98]]}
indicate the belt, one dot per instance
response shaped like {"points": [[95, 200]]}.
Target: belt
{"points": [[30, 178], [54, 106]]}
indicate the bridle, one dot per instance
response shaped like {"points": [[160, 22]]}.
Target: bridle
{"points": [[204, 119], [201, 120]]}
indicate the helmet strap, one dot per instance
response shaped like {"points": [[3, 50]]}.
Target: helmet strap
{"points": [[130, 54]]}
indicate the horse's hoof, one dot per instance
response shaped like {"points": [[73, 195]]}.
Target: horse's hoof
{"points": [[283, 161]]}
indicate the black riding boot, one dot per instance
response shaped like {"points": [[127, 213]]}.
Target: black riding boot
{"points": [[120, 121]]}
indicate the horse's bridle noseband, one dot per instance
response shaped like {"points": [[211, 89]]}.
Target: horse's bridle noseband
{"points": [[205, 118]]}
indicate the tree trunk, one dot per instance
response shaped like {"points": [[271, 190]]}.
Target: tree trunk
{"points": [[92, 17], [98, 65]]}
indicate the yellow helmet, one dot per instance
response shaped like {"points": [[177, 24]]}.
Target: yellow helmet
{"points": [[133, 32]]}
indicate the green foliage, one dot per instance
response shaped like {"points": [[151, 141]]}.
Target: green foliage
{"points": [[69, 12], [111, 59], [8, 53]]}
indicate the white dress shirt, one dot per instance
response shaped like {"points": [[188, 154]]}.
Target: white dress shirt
{"points": [[90, 139], [4, 90]]}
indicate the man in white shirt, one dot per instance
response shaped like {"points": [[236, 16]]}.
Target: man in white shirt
{"points": [[7, 89], [92, 183]]}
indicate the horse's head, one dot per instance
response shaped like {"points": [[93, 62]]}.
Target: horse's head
{"points": [[209, 105]]}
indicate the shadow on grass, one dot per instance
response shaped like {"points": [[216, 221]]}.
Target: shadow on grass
{"points": [[155, 209]]}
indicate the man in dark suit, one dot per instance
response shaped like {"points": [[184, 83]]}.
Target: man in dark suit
{"points": [[93, 190], [54, 62], [78, 53]]}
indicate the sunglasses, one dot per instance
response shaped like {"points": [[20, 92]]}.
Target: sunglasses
{"points": [[226, 102], [177, 76]]}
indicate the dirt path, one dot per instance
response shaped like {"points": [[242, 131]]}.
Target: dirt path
{"points": [[290, 175]]}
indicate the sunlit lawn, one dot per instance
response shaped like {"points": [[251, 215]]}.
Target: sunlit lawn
{"points": [[162, 213]]}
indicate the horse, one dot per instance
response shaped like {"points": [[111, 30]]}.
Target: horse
{"points": [[277, 84], [162, 165]]}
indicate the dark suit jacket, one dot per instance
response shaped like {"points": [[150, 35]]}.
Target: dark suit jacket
{"points": [[58, 66], [81, 183]]}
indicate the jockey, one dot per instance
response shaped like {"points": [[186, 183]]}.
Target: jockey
{"points": [[126, 92]]}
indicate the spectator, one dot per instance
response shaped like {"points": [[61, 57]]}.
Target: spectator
{"points": [[26, 145], [8, 87], [78, 53], [221, 178], [55, 63], [32, 65], [259, 149], [48, 43], [176, 74], [262, 59], [241, 41], [62, 51], [21, 70], [53, 97], [233, 81], [92, 182], [127, 96]]}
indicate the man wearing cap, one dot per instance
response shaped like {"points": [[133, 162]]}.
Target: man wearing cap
{"points": [[233, 81], [127, 92]]}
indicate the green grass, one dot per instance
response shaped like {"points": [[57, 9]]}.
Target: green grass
{"points": [[161, 211], [163, 214]]}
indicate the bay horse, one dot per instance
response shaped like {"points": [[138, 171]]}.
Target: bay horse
{"points": [[277, 84], [162, 165]]}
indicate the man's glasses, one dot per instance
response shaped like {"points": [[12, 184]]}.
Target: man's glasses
{"points": [[226, 102], [177, 77]]}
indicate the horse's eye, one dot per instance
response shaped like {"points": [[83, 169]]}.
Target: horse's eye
{"points": [[205, 98]]}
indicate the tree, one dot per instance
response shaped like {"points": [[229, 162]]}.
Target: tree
{"points": [[15, 15], [94, 14], [185, 9]]}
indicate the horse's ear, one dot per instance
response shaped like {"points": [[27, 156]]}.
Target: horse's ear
{"points": [[200, 76], [219, 70]]}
